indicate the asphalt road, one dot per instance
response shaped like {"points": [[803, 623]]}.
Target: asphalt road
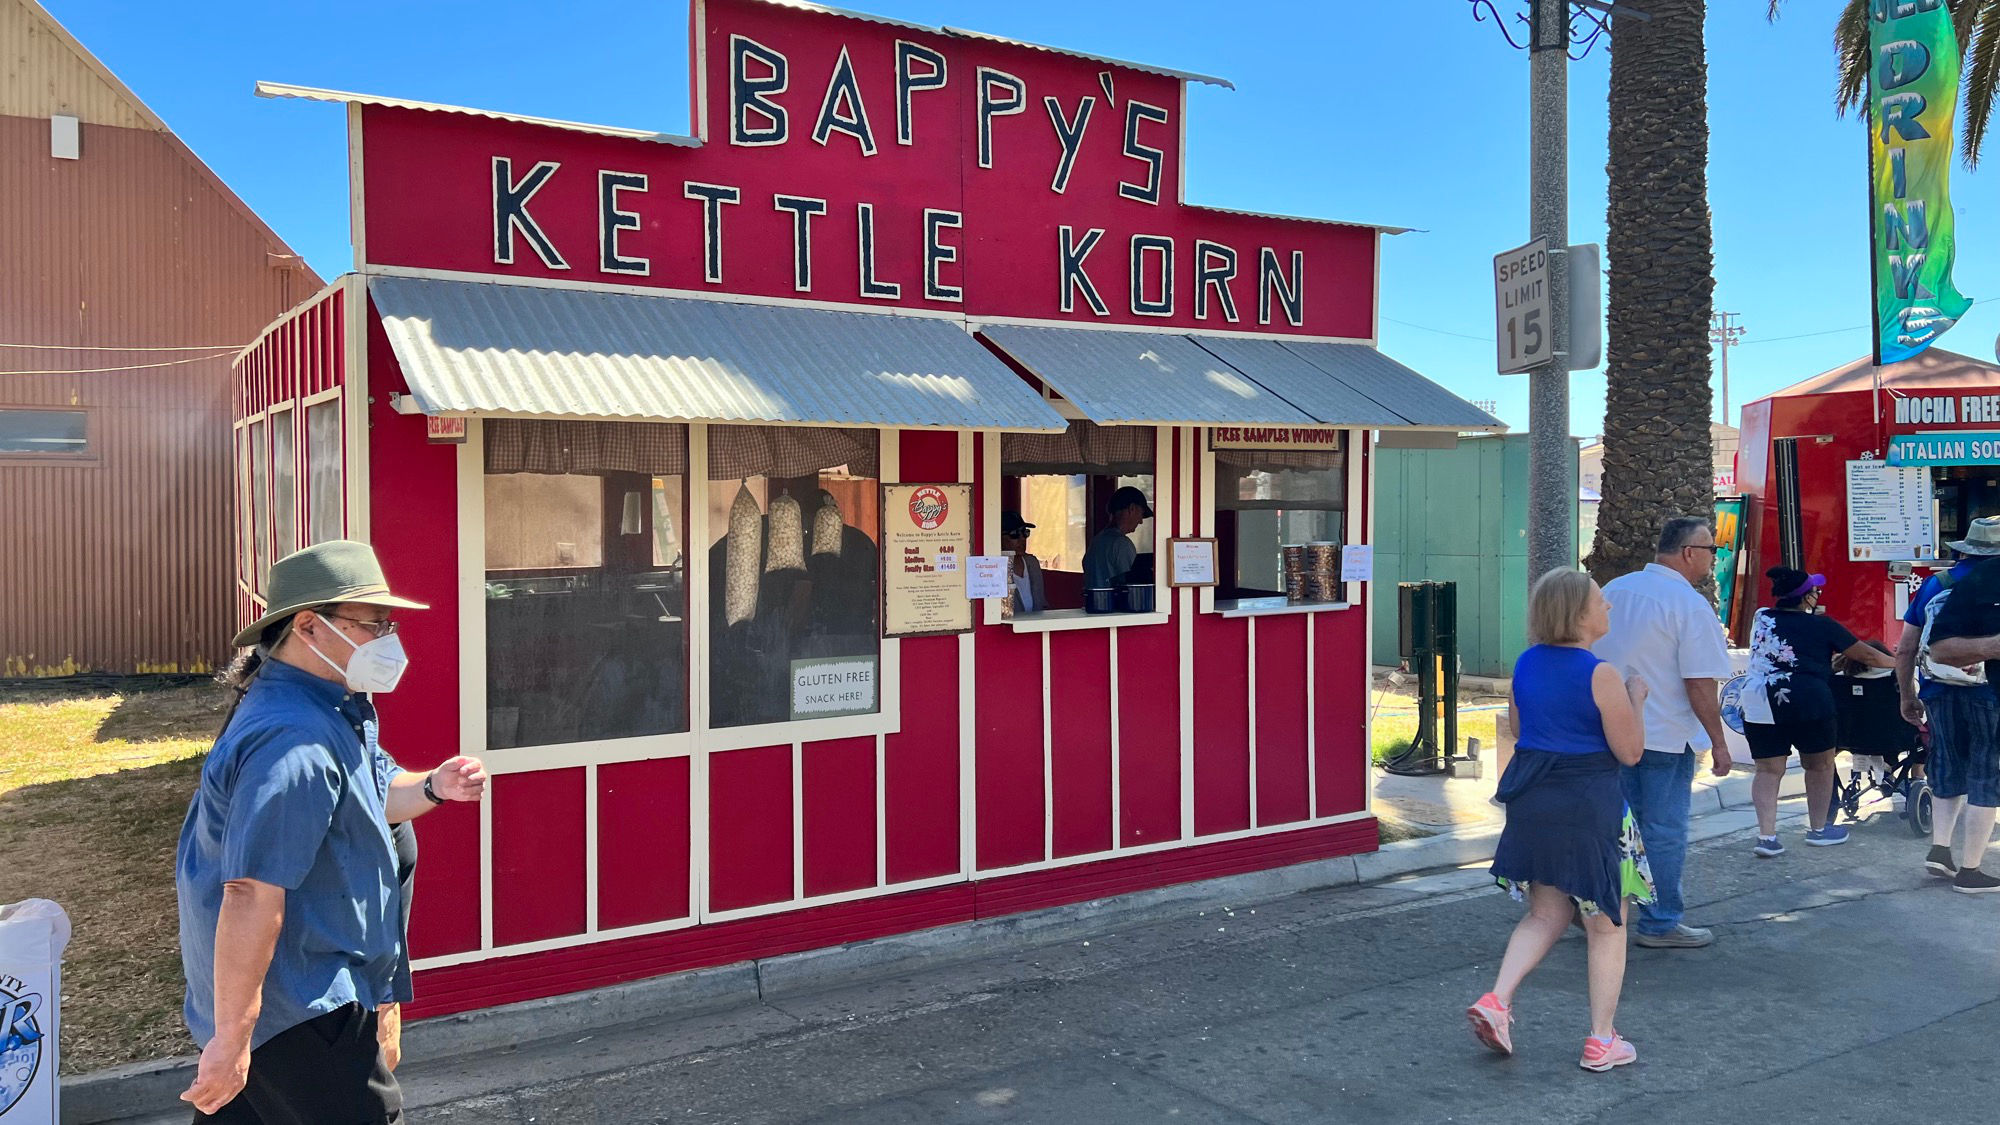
{"points": [[1845, 987]]}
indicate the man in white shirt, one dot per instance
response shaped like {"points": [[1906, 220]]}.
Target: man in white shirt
{"points": [[1664, 631]]}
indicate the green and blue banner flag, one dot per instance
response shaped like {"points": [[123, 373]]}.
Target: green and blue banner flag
{"points": [[1912, 100]]}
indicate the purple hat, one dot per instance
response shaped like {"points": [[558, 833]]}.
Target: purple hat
{"points": [[1812, 582]]}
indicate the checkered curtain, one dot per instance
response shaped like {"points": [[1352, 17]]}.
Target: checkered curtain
{"points": [[1085, 447], [735, 452], [533, 445], [1278, 460]]}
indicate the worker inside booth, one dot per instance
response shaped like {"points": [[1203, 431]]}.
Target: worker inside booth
{"points": [[586, 581], [1267, 498], [1063, 485], [1963, 493]]}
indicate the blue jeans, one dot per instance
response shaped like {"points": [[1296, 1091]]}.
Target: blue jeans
{"points": [[1659, 790]]}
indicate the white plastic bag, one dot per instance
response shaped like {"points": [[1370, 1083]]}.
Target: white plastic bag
{"points": [[33, 934]]}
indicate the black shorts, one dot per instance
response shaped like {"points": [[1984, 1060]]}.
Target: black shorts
{"points": [[326, 1071], [1777, 740]]}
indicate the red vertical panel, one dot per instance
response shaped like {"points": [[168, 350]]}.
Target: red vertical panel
{"points": [[839, 812], [644, 831], [1008, 762], [1080, 694], [930, 455], [921, 765], [1340, 698], [538, 856], [1149, 734], [1221, 725], [1280, 694], [749, 827], [447, 848]]}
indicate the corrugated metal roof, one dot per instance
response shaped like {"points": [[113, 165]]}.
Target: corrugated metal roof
{"points": [[315, 94], [478, 347], [1420, 401], [1142, 377], [1379, 228], [1300, 383]]}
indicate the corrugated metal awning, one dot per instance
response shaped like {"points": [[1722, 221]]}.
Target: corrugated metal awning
{"points": [[1420, 401], [1142, 377], [1348, 384], [470, 347]]}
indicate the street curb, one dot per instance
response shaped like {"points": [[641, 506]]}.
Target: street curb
{"points": [[148, 1089]]}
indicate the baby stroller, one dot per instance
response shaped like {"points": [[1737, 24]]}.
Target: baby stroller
{"points": [[1888, 753]]}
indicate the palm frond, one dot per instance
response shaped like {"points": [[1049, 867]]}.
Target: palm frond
{"points": [[1772, 14], [1981, 80], [1850, 44]]}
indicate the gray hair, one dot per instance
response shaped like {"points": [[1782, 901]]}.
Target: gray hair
{"points": [[1679, 532]]}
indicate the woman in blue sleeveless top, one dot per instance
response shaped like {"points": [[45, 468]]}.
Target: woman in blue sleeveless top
{"points": [[1569, 848]]}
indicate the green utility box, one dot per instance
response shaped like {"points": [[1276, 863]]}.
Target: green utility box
{"points": [[1460, 515]]}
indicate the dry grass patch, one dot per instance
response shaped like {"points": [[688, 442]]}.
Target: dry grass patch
{"points": [[94, 784]]}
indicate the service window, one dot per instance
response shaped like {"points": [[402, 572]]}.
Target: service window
{"points": [[794, 573], [1063, 484], [246, 559], [1267, 498], [284, 483], [326, 497], [45, 435], [260, 505], [586, 581]]}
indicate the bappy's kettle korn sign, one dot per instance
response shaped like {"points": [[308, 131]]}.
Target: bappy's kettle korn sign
{"points": [[869, 163]]}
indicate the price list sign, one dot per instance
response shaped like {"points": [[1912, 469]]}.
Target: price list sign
{"points": [[1889, 517]]}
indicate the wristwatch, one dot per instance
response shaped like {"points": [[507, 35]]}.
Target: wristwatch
{"points": [[430, 794]]}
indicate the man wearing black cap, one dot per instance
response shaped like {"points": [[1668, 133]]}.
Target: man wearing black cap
{"points": [[1025, 570], [1108, 561]]}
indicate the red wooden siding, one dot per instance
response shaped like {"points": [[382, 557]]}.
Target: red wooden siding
{"points": [[539, 886], [643, 837], [1149, 735], [1340, 703], [1008, 764], [1280, 694], [921, 768], [1080, 742], [839, 815], [750, 827], [1221, 725]]}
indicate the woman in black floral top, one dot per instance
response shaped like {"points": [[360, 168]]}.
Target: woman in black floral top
{"points": [[1788, 702]]}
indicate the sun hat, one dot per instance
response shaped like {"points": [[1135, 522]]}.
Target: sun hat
{"points": [[330, 573], [1982, 538], [1788, 583]]}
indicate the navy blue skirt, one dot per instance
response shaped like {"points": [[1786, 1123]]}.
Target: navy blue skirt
{"points": [[1565, 827]]}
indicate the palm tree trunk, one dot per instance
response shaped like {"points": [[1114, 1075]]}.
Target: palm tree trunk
{"points": [[1660, 257]]}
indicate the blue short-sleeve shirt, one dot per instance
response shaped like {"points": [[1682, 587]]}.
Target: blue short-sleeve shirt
{"points": [[294, 795]]}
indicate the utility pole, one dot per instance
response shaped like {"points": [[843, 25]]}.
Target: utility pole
{"points": [[1551, 489], [1726, 336]]}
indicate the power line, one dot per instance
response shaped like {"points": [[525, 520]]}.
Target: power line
{"points": [[1439, 331], [128, 367], [134, 348]]}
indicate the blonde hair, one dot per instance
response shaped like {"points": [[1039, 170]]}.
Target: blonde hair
{"points": [[1556, 606]]}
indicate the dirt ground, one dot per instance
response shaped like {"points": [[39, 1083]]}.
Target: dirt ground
{"points": [[94, 783]]}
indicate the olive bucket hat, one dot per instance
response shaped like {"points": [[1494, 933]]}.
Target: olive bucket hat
{"points": [[324, 574]]}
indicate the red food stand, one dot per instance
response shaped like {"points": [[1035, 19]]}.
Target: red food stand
{"points": [[687, 441], [1863, 473]]}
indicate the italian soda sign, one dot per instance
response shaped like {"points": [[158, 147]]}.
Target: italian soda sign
{"points": [[842, 159]]}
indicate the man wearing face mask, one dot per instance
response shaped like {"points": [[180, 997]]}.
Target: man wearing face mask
{"points": [[290, 908]]}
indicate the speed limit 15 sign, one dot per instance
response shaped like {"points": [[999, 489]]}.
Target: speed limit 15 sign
{"points": [[1521, 307]]}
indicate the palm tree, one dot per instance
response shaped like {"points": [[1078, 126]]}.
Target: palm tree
{"points": [[1660, 257], [1977, 23]]}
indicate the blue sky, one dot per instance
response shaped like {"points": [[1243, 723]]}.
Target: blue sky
{"points": [[1415, 116]]}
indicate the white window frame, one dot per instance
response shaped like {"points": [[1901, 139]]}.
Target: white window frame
{"points": [[288, 409], [1353, 470], [334, 395]]}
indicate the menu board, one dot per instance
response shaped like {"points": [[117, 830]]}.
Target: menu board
{"points": [[926, 540], [1889, 516]]}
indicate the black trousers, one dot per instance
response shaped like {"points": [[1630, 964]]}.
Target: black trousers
{"points": [[326, 1071]]}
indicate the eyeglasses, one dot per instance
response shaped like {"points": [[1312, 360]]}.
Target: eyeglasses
{"points": [[375, 628], [1702, 547]]}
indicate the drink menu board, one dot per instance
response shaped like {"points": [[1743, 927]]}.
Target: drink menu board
{"points": [[1889, 516], [926, 542]]}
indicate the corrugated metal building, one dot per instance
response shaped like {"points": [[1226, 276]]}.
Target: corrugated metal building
{"points": [[134, 274]]}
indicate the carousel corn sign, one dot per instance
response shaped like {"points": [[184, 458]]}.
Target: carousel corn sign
{"points": [[868, 163], [1912, 96]]}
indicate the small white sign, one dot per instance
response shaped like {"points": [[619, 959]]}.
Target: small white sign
{"points": [[1357, 563], [824, 688], [986, 576], [947, 562], [1521, 307], [1191, 562]]}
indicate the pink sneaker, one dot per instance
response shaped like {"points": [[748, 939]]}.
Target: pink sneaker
{"points": [[1599, 1055], [1491, 1023]]}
